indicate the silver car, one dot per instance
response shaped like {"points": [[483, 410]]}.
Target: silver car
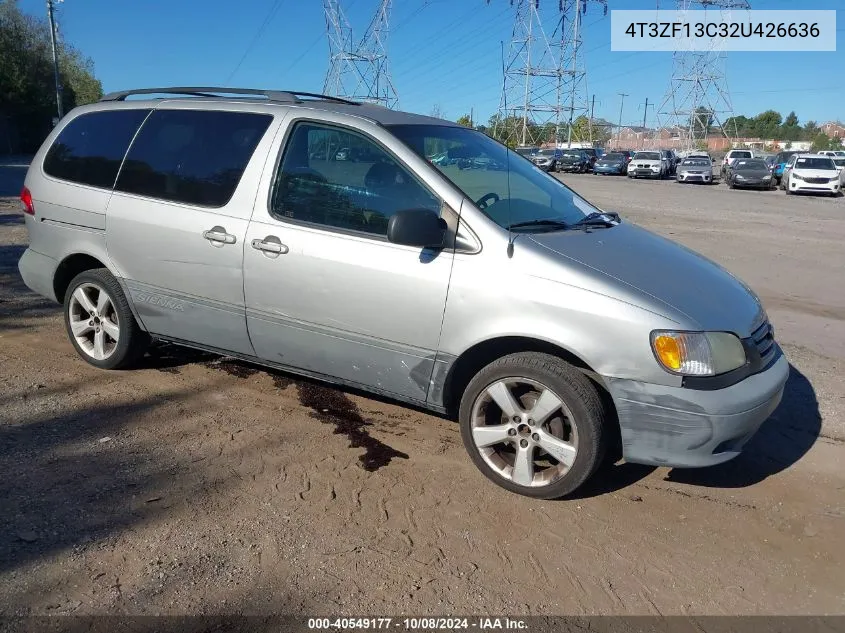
{"points": [[552, 330]]}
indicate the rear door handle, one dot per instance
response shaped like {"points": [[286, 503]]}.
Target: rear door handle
{"points": [[217, 235], [270, 244]]}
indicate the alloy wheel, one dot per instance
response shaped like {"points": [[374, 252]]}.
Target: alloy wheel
{"points": [[524, 432], [93, 321]]}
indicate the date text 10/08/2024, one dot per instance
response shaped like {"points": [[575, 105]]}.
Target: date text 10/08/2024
{"points": [[421, 623]]}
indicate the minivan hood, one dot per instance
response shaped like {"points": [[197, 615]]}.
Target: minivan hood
{"points": [[667, 272]]}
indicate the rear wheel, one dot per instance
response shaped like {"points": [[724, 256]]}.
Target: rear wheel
{"points": [[99, 322], [533, 424]]}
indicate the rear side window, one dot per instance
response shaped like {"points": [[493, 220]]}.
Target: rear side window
{"points": [[195, 157], [90, 148]]}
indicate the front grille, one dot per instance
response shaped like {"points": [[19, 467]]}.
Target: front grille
{"points": [[817, 181], [764, 341]]}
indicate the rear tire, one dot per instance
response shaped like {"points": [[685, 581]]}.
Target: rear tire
{"points": [[571, 419], [100, 323]]}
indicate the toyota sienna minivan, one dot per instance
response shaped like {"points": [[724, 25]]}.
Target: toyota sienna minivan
{"points": [[315, 235]]}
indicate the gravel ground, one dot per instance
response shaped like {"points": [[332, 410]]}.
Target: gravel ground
{"points": [[200, 485]]}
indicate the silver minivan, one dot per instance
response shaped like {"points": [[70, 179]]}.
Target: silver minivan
{"points": [[317, 236]]}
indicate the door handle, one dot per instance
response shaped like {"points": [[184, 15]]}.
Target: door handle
{"points": [[219, 235], [270, 244]]}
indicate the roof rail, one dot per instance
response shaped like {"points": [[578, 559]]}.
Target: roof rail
{"points": [[276, 96]]}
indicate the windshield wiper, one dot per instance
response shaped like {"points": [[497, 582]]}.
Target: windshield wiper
{"points": [[605, 219], [552, 224]]}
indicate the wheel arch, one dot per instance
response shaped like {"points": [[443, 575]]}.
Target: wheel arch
{"points": [[69, 268], [482, 353]]}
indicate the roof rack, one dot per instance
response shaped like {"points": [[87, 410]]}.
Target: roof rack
{"points": [[276, 96]]}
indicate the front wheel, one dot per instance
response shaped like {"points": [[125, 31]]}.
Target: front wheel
{"points": [[533, 424], [99, 322]]}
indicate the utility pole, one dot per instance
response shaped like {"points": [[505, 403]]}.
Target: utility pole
{"points": [[52, 20], [471, 118], [619, 130], [590, 122], [645, 115]]}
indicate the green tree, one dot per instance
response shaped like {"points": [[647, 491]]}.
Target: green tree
{"points": [[767, 124], [791, 119], [465, 121], [27, 89], [820, 142], [811, 129], [835, 143]]}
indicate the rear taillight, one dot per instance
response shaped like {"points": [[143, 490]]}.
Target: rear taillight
{"points": [[26, 200]]}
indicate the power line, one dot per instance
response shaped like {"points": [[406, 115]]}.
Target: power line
{"points": [[274, 8]]}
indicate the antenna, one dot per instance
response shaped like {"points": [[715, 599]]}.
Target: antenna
{"points": [[544, 75], [698, 98], [359, 72]]}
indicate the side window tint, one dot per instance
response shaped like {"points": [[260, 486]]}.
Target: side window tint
{"points": [[90, 148], [341, 179], [192, 156]]}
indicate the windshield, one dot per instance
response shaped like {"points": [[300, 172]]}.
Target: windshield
{"points": [[613, 158], [696, 162], [646, 156], [839, 162], [519, 192], [573, 155], [740, 154], [547, 152], [526, 151], [824, 164], [751, 164]]}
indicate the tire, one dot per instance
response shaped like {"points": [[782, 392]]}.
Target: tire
{"points": [[111, 338], [731, 184], [575, 427]]}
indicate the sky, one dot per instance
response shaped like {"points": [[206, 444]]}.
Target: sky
{"points": [[443, 53]]}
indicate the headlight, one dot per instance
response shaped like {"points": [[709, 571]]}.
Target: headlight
{"points": [[655, 167], [767, 177], [697, 353], [740, 177], [796, 176]]}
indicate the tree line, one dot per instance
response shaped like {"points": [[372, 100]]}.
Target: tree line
{"points": [[27, 88]]}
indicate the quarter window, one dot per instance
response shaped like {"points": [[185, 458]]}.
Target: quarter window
{"points": [[90, 148], [341, 179], [192, 156]]}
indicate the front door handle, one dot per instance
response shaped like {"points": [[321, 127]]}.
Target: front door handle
{"points": [[218, 236], [271, 245]]}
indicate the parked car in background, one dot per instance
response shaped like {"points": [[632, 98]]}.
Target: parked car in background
{"points": [[811, 173], [527, 150], [574, 160], [733, 155], [839, 161], [592, 156], [781, 158], [671, 159], [647, 164], [696, 169], [613, 163], [750, 172], [547, 159], [202, 221]]}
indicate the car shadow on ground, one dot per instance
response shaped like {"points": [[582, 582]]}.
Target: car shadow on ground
{"points": [[782, 440]]}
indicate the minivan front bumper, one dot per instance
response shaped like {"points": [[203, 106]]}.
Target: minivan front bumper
{"points": [[681, 427]]}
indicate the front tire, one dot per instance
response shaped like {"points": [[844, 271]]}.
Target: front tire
{"points": [[533, 424], [99, 322]]}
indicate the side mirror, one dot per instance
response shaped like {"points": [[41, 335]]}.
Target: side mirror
{"points": [[416, 227]]}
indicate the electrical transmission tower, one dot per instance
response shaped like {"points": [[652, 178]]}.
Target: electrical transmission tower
{"points": [[359, 71], [545, 79], [698, 99]]}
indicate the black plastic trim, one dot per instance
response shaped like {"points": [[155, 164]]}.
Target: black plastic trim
{"points": [[754, 365]]}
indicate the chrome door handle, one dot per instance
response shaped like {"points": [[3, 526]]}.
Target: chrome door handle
{"points": [[270, 244], [218, 234]]}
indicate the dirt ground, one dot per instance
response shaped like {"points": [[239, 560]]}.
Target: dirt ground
{"points": [[200, 485]]}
